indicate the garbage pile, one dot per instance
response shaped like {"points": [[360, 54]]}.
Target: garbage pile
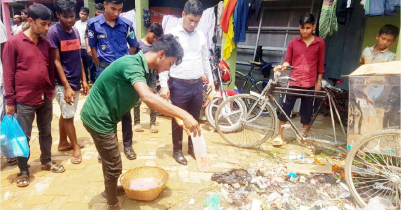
{"points": [[283, 187]]}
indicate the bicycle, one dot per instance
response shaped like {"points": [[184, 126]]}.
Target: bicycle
{"points": [[340, 98], [373, 166], [252, 84]]}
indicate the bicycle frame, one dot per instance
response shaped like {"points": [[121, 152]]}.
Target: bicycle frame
{"points": [[249, 78], [271, 88]]}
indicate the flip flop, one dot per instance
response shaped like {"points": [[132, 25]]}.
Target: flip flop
{"points": [[153, 129], [51, 166], [11, 161], [277, 142], [138, 128], [76, 159], [70, 148]]}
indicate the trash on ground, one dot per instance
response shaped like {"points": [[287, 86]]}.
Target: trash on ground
{"points": [[212, 202], [307, 169]]}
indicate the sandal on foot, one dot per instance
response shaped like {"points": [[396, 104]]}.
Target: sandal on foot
{"points": [[277, 142], [76, 159], [138, 128], [23, 179], [70, 148], [153, 129], [120, 191], [11, 161], [51, 166]]}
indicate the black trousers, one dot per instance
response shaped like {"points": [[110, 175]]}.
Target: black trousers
{"points": [[306, 106], [188, 97], [44, 114]]}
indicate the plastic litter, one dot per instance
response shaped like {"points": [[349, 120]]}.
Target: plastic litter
{"points": [[145, 183], [273, 196], [13, 140], [256, 204], [378, 203], [292, 175], [200, 152], [240, 176], [191, 202], [212, 202]]}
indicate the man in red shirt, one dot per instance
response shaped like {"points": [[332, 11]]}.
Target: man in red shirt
{"points": [[29, 84], [306, 54]]}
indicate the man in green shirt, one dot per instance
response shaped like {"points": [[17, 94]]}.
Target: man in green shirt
{"points": [[116, 91]]}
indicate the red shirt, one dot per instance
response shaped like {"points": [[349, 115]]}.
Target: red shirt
{"points": [[307, 61], [28, 70]]}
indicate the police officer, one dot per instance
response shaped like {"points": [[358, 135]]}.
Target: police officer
{"points": [[109, 37]]}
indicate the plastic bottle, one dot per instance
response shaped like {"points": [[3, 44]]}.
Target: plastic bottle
{"points": [[200, 151]]}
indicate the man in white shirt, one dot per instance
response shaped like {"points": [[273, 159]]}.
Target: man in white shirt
{"points": [[184, 88], [15, 29], [81, 25]]}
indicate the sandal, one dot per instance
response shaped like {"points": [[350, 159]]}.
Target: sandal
{"points": [[277, 142], [76, 159], [153, 129], [51, 166], [23, 179], [70, 148], [138, 128], [120, 191], [11, 161]]}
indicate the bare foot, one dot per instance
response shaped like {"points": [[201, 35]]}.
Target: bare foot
{"points": [[68, 147], [76, 157], [114, 207], [138, 128]]}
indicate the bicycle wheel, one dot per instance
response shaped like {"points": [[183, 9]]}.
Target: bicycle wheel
{"points": [[250, 123], [257, 87], [211, 110], [373, 167]]}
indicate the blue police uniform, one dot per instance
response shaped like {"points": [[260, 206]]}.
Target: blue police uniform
{"points": [[111, 42]]}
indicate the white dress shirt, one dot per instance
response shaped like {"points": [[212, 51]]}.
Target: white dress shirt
{"points": [[195, 62]]}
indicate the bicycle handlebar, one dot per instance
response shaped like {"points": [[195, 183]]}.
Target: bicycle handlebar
{"points": [[287, 78]]}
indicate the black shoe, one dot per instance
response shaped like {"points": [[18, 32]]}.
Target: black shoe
{"points": [[191, 152], [129, 153], [180, 158]]}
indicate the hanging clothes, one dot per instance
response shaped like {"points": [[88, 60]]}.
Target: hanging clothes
{"points": [[254, 7], [328, 20], [229, 7], [220, 9], [130, 15], [382, 7], [240, 20], [169, 22], [207, 24], [344, 11], [229, 44]]}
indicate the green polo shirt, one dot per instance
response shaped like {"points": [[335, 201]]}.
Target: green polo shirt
{"points": [[113, 93]]}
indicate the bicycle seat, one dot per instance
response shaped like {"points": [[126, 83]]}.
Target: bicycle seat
{"points": [[255, 63], [335, 81]]}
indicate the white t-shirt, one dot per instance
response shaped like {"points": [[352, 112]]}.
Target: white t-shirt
{"points": [[81, 26], [16, 29]]}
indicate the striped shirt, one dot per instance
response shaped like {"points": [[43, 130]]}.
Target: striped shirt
{"points": [[369, 56]]}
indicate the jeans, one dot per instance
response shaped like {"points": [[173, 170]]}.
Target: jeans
{"points": [[306, 106], [107, 146], [25, 116], [86, 60], [137, 114], [188, 97]]}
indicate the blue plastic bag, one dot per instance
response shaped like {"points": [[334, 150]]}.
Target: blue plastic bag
{"points": [[13, 141]]}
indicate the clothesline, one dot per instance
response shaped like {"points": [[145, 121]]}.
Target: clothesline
{"points": [[161, 14]]}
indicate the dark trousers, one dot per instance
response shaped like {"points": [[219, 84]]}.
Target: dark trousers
{"points": [[92, 70], [188, 97], [126, 120], [107, 146], [306, 106], [25, 116], [137, 114], [86, 60]]}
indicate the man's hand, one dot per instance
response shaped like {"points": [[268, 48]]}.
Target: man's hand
{"points": [[210, 85], [10, 110], [88, 50], [69, 96], [192, 125], [165, 93], [280, 68], [85, 88], [318, 86]]}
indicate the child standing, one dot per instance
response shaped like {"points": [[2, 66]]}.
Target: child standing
{"points": [[306, 54]]}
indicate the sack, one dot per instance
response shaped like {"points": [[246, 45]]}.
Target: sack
{"points": [[13, 141]]}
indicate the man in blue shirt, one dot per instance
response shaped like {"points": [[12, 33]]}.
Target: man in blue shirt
{"points": [[109, 36]]}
